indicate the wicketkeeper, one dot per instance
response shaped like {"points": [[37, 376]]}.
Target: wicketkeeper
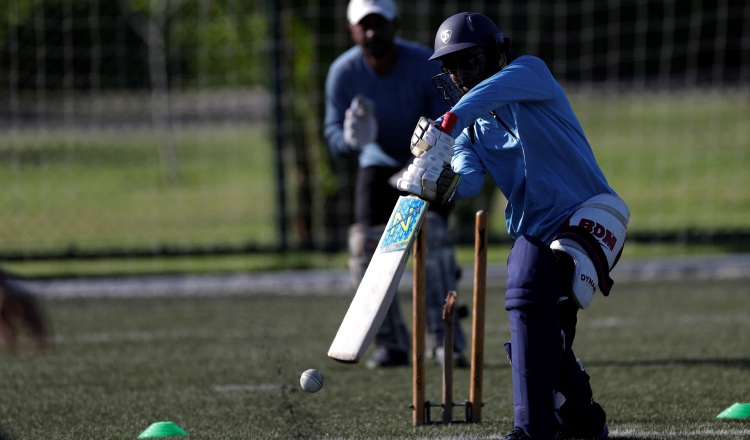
{"points": [[374, 92], [515, 124]]}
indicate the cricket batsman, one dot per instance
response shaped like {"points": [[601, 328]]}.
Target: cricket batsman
{"points": [[515, 124]]}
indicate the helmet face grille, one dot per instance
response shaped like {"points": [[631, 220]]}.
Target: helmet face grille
{"points": [[445, 85]]}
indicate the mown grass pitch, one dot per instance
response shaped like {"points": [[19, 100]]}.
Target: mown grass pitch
{"points": [[665, 359]]}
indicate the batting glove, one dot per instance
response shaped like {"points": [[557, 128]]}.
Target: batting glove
{"points": [[360, 125], [431, 179], [429, 140]]}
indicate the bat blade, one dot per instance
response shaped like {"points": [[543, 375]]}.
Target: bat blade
{"points": [[380, 282]]}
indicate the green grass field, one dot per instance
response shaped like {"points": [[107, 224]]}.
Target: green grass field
{"points": [[665, 359], [680, 160], [108, 189]]}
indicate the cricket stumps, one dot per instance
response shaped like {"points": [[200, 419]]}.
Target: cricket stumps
{"points": [[421, 408]]}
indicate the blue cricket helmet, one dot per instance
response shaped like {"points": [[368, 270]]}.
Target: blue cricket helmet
{"points": [[465, 30]]}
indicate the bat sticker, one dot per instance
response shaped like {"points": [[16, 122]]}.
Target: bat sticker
{"points": [[403, 224]]}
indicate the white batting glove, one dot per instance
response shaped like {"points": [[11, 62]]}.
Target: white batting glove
{"points": [[429, 140], [430, 178], [360, 126]]}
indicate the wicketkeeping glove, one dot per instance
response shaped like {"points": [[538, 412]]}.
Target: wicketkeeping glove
{"points": [[360, 125], [430, 178]]}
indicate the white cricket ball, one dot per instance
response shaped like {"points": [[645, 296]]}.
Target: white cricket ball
{"points": [[311, 380]]}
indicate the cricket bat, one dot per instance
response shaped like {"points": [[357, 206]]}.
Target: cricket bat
{"points": [[380, 282]]}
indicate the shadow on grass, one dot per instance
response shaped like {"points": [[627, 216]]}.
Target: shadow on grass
{"points": [[717, 362], [629, 437]]}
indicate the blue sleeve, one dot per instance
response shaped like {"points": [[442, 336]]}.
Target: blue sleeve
{"points": [[526, 79], [466, 163]]}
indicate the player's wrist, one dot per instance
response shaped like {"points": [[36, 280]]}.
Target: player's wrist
{"points": [[430, 179]]}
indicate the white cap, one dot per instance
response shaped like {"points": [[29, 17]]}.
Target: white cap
{"points": [[359, 9]]}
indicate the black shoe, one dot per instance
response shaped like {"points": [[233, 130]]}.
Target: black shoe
{"points": [[520, 434], [596, 429], [517, 434], [459, 360], [385, 358]]}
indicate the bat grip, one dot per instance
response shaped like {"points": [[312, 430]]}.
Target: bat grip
{"points": [[449, 121]]}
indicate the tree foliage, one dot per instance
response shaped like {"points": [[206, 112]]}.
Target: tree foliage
{"points": [[83, 44]]}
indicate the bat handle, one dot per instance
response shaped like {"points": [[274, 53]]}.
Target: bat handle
{"points": [[449, 121]]}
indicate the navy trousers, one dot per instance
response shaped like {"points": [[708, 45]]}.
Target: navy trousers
{"points": [[542, 329]]}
